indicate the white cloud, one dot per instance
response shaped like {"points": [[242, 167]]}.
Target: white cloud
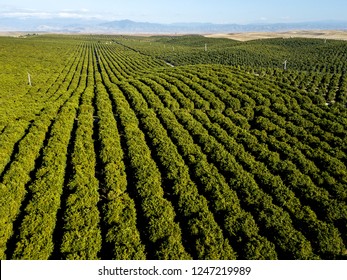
{"points": [[286, 18], [23, 15], [75, 10], [78, 15], [29, 13], [69, 15]]}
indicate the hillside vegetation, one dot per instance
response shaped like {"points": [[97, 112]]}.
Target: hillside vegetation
{"points": [[172, 148]]}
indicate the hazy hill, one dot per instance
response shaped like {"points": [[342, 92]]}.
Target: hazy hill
{"points": [[128, 26]]}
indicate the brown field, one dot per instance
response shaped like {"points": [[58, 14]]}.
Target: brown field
{"points": [[247, 36]]}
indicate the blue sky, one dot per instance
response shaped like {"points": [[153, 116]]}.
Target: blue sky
{"points": [[164, 11]]}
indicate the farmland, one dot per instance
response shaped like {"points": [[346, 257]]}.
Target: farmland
{"points": [[172, 148]]}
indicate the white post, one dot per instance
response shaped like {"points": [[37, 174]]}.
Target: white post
{"points": [[205, 47], [285, 65], [29, 79]]}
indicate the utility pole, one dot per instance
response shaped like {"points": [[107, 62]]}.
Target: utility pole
{"points": [[205, 47], [29, 79]]}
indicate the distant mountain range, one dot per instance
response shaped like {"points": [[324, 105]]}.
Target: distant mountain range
{"points": [[132, 27]]}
